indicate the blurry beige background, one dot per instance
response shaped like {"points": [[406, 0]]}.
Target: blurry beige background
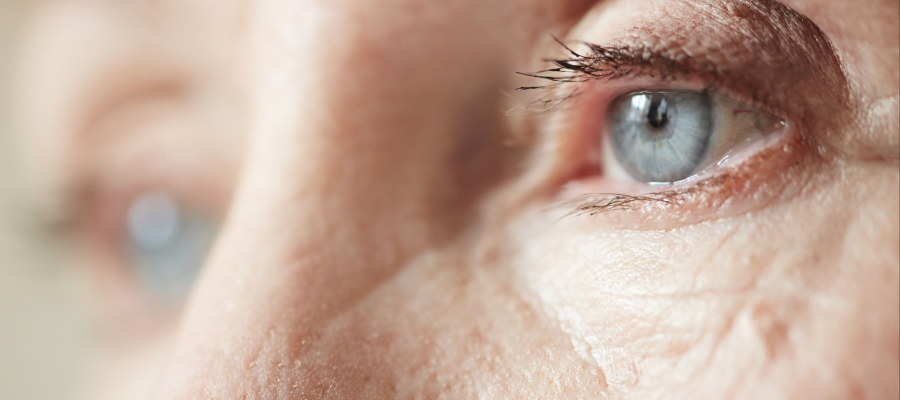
{"points": [[46, 340]]}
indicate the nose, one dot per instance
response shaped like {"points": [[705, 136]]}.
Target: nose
{"points": [[375, 133]]}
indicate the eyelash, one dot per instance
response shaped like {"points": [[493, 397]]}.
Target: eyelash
{"points": [[605, 63], [611, 62]]}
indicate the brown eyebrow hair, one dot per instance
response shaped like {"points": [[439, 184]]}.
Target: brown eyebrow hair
{"points": [[762, 50]]}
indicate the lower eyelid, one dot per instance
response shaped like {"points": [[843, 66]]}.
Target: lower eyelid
{"points": [[772, 170]]}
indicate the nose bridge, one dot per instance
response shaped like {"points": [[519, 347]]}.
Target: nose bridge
{"points": [[367, 149], [354, 146]]}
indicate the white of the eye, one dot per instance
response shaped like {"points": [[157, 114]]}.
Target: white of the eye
{"points": [[154, 220]]}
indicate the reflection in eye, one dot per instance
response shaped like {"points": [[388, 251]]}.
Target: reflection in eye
{"points": [[166, 244], [667, 136]]}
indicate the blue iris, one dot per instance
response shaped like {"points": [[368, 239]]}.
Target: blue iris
{"points": [[661, 136]]}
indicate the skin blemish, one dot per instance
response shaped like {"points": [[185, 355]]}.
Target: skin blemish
{"points": [[772, 329]]}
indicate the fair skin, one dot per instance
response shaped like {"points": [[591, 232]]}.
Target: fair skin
{"points": [[390, 231]]}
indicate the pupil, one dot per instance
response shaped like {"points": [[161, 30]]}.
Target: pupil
{"points": [[657, 113]]}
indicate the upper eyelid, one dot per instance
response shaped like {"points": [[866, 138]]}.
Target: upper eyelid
{"points": [[759, 52], [608, 63]]}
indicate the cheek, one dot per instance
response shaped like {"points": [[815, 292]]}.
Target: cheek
{"points": [[439, 328], [763, 297], [640, 305]]}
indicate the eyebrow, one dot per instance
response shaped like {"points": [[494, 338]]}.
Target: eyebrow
{"points": [[766, 47], [761, 49]]}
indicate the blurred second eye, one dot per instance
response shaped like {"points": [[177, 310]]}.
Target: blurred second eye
{"points": [[668, 136], [167, 244]]}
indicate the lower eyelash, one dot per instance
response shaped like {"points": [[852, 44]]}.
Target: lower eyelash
{"points": [[596, 203], [593, 204]]}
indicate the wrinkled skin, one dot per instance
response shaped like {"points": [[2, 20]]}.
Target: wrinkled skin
{"points": [[383, 237]]}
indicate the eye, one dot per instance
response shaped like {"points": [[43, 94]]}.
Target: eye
{"points": [[166, 244], [669, 136]]}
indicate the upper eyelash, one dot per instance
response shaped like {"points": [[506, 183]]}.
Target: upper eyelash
{"points": [[608, 62]]}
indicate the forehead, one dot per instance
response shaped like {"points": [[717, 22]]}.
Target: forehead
{"points": [[73, 45], [225, 21]]}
